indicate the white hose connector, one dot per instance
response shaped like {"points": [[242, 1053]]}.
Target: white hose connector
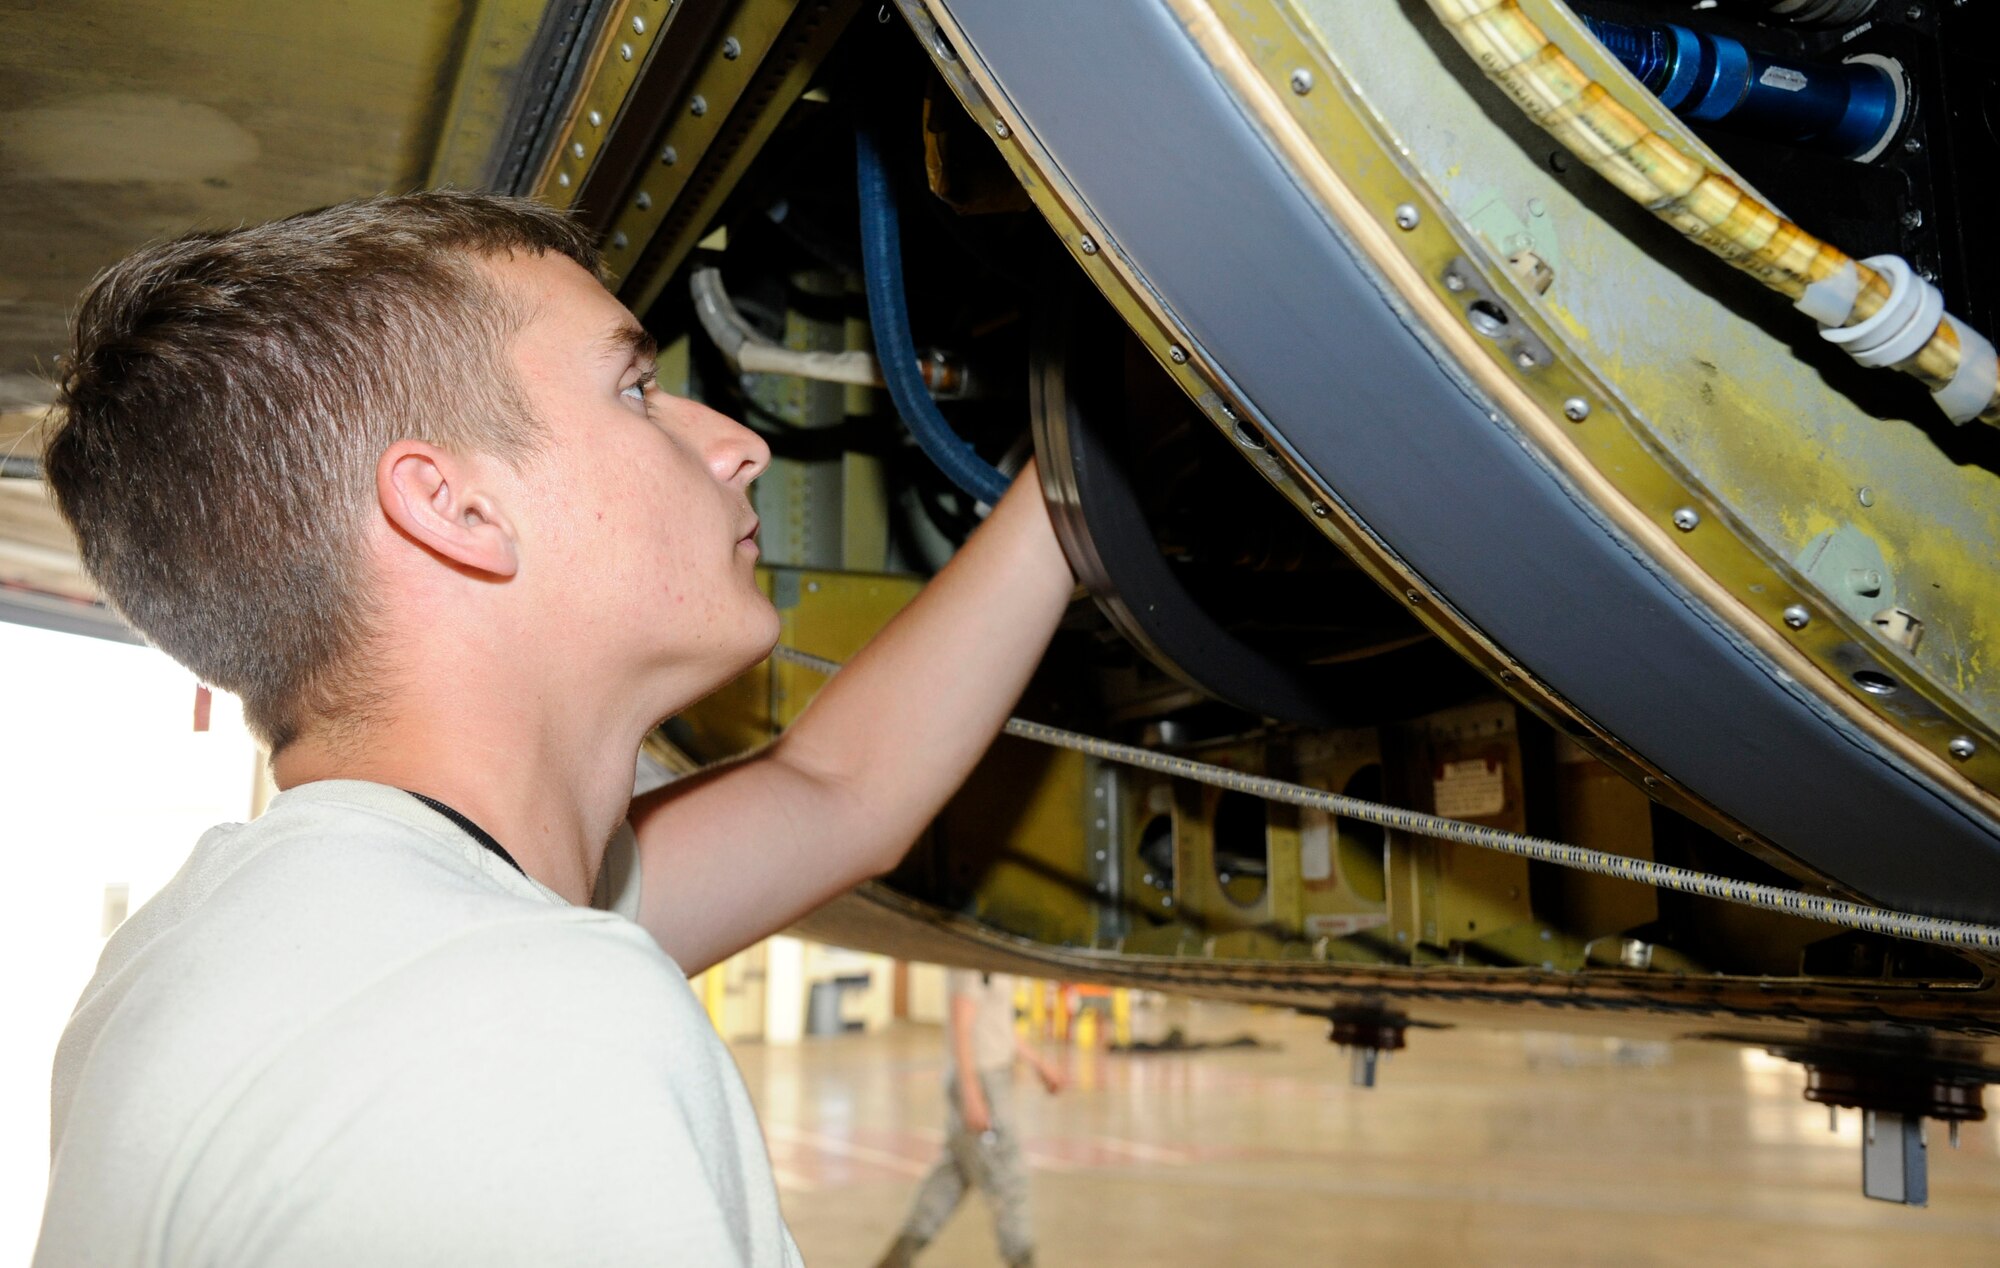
{"points": [[1902, 326], [1971, 389]]}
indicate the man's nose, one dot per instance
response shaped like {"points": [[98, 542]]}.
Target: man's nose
{"points": [[735, 454]]}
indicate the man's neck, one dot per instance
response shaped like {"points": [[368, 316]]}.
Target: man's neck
{"points": [[548, 788]]}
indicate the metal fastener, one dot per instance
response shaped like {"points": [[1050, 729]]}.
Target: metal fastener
{"points": [[1913, 219], [1177, 355], [1686, 519], [670, 156], [1576, 409], [1302, 81], [1453, 282], [1320, 509], [1914, 145], [1962, 747], [698, 105], [596, 118], [1865, 495], [625, 51], [732, 48], [1086, 245], [1001, 130], [1407, 216], [1797, 617], [1525, 359], [562, 179], [1414, 596], [619, 242], [638, 25], [577, 148], [643, 201]]}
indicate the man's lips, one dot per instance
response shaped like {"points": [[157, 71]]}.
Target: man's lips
{"points": [[751, 536]]}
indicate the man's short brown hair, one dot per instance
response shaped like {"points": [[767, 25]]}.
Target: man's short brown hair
{"points": [[226, 397]]}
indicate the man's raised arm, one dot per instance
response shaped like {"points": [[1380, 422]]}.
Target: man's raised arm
{"points": [[741, 851]]}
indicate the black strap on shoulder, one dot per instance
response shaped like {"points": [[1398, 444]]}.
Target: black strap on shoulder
{"points": [[471, 829]]}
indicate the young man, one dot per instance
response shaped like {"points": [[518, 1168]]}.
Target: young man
{"points": [[396, 474], [982, 1146]]}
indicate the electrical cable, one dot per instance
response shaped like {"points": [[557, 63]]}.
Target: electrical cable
{"points": [[895, 347], [1877, 920]]}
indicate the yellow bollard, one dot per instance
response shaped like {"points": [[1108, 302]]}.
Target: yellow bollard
{"points": [[1121, 1017], [1038, 1009], [1086, 1029]]}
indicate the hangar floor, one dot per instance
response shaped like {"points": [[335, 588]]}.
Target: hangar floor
{"points": [[1475, 1148]]}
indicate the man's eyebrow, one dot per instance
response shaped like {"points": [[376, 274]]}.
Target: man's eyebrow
{"points": [[629, 342]]}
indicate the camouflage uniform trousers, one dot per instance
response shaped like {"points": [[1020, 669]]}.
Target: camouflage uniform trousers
{"points": [[991, 1162]]}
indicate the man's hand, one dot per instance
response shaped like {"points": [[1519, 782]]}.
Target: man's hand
{"points": [[1053, 1079], [742, 851], [973, 1108]]}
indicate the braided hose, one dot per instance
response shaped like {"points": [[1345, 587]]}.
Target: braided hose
{"points": [[1894, 924], [1878, 310]]}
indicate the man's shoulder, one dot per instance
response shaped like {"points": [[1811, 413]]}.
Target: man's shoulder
{"points": [[325, 915]]}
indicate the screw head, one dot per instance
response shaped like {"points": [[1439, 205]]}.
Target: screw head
{"points": [[1576, 409], [1913, 145], [619, 242], [732, 48], [1087, 245], [562, 179], [576, 148], [1407, 216], [596, 118], [1865, 495], [1962, 747], [1525, 359], [643, 201], [638, 26], [1453, 282], [1001, 130], [1302, 81], [1177, 355], [625, 52], [698, 106], [1686, 519], [1321, 509], [1797, 617], [1913, 219]]}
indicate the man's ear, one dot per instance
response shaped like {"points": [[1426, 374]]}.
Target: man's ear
{"points": [[435, 498]]}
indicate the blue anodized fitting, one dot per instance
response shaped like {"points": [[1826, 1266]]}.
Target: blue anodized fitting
{"points": [[1849, 109]]}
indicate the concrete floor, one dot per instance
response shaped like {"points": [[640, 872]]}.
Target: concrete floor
{"points": [[1475, 1148]]}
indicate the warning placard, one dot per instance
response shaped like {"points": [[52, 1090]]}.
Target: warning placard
{"points": [[1471, 789]]}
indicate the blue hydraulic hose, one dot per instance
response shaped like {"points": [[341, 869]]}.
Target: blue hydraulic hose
{"points": [[895, 348]]}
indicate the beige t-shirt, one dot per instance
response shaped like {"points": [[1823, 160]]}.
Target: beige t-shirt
{"points": [[347, 1034], [993, 1026]]}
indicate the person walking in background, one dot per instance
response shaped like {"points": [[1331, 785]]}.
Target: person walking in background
{"points": [[982, 1145]]}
